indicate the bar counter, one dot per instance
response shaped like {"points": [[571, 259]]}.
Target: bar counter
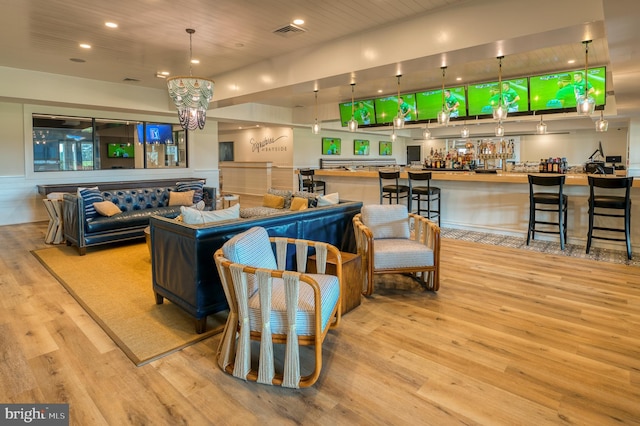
{"points": [[489, 202]]}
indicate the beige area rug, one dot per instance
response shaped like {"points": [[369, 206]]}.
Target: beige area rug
{"points": [[113, 284]]}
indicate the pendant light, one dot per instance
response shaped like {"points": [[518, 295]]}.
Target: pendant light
{"points": [[393, 135], [602, 125], [464, 133], [398, 121], [585, 103], [499, 130], [500, 109], [443, 115], [426, 133], [316, 125], [353, 124], [541, 127]]}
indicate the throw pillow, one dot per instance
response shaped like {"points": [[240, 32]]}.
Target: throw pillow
{"points": [[193, 216], [299, 204], [386, 221], [106, 208], [273, 201], [328, 200], [282, 193], [313, 198], [90, 196], [181, 198], [195, 186]]}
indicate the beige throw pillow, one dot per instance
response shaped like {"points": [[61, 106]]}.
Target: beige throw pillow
{"points": [[273, 201], [184, 198], [106, 208]]}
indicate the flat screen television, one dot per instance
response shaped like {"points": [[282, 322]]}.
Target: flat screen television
{"points": [[120, 150], [386, 148], [364, 112], [156, 133], [331, 146], [484, 96], [429, 103], [559, 90], [387, 108], [360, 147]]}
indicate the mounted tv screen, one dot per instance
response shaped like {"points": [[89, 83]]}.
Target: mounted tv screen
{"points": [[559, 90], [331, 146], [483, 97], [364, 112], [360, 147], [387, 108], [386, 148], [120, 150], [156, 133], [430, 102]]}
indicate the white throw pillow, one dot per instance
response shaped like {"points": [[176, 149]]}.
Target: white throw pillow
{"points": [[386, 221], [328, 200], [193, 216]]}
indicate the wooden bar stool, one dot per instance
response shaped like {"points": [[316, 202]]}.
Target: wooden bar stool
{"points": [[394, 190], [614, 200], [424, 193], [308, 183], [551, 202]]}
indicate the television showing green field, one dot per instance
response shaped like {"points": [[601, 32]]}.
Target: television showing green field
{"points": [[386, 148], [560, 90], [360, 147], [387, 108], [430, 103], [363, 111], [120, 150], [331, 146], [484, 97]]}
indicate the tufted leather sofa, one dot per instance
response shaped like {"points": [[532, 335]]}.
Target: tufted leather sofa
{"points": [[137, 206], [183, 268]]}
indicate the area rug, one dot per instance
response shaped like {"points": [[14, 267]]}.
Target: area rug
{"points": [[113, 284], [542, 246]]}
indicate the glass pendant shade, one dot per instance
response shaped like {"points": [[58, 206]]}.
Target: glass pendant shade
{"points": [[393, 136], [602, 125], [315, 129], [500, 110], [585, 103], [499, 130], [541, 127], [426, 133], [191, 96], [353, 124], [444, 115], [398, 121], [464, 133]]}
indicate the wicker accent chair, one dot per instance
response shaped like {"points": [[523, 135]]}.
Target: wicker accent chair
{"points": [[393, 241], [274, 306]]}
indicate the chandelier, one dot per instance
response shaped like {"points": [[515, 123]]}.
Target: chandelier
{"points": [[443, 115], [191, 95], [585, 103]]}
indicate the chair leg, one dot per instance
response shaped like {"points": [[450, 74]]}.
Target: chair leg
{"points": [[590, 228], [627, 231], [561, 224], [532, 218]]}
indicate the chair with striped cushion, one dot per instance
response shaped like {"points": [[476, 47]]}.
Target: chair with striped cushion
{"points": [[273, 306], [393, 241]]}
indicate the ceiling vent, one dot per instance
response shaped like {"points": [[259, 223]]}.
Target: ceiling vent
{"points": [[289, 30], [130, 79]]}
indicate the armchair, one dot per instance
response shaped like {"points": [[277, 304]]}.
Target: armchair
{"points": [[393, 241], [271, 305]]}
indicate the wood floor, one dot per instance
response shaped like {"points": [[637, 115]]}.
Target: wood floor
{"points": [[511, 338]]}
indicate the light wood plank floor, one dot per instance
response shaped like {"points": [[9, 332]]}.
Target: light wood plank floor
{"points": [[512, 338]]}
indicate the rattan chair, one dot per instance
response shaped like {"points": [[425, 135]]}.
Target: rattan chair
{"points": [[274, 306], [393, 241]]}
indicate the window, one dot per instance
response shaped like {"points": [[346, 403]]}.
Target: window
{"points": [[80, 143]]}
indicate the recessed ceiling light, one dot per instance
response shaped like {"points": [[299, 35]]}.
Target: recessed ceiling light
{"points": [[85, 45], [379, 90], [571, 61], [298, 21], [111, 24], [458, 78], [195, 61]]}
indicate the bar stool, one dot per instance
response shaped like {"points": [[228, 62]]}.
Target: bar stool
{"points": [[555, 202], [615, 201], [391, 191], [429, 194], [308, 183]]}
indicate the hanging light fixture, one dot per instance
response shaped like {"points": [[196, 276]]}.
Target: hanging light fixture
{"points": [[316, 126], [191, 95], [541, 127], [426, 133], [602, 125], [585, 103], [499, 129], [443, 115], [393, 135], [500, 109], [353, 124], [464, 133], [398, 121]]}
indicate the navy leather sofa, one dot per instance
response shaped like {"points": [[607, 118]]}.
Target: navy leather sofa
{"points": [[182, 255]]}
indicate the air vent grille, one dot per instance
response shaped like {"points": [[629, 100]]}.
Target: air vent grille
{"points": [[130, 79], [289, 30]]}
